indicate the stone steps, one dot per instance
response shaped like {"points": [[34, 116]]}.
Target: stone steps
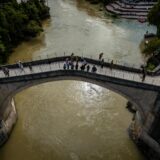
{"points": [[130, 10]]}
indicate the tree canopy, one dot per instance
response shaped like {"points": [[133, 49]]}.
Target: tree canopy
{"points": [[19, 22], [154, 17]]}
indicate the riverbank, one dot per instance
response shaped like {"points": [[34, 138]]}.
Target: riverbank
{"points": [[20, 22], [7, 122]]}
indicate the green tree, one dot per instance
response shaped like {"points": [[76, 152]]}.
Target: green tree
{"points": [[19, 22], [154, 17], [32, 29]]}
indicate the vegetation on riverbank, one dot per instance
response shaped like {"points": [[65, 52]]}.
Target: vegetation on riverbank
{"points": [[19, 22], [152, 48]]}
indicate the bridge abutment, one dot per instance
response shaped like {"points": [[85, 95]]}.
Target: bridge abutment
{"points": [[7, 121], [140, 134]]}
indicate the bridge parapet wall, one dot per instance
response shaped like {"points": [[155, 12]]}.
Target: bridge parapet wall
{"points": [[89, 60]]}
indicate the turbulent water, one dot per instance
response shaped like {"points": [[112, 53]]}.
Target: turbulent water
{"points": [[73, 120]]}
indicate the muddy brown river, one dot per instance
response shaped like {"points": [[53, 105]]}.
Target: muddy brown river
{"points": [[73, 120]]}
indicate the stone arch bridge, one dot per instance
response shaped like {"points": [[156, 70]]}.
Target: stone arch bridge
{"points": [[126, 81]]}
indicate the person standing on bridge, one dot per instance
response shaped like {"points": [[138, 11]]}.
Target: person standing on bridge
{"points": [[94, 69], [100, 56], [6, 71], [64, 66], [82, 67], [72, 57], [143, 73], [76, 65], [30, 66], [143, 76], [88, 68], [20, 65], [111, 65], [67, 63], [72, 66], [102, 63]]}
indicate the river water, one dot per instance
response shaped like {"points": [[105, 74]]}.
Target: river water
{"points": [[71, 120]]}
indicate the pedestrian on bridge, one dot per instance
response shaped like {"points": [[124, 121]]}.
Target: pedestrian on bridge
{"points": [[30, 66], [102, 63], [72, 66], [77, 59], [143, 73], [64, 66], [94, 69], [67, 63], [72, 57], [100, 56], [88, 68], [82, 67], [6, 71], [111, 65], [3, 69], [143, 77], [76, 65], [20, 65]]}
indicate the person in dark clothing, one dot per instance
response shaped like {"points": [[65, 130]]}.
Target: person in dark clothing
{"points": [[76, 65], [94, 69], [102, 63], [143, 69], [143, 73], [30, 66], [20, 65], [72, 57], [6, 71], [144, 76], [82, 67], [72, 66], [88, 68], [100, 56], [64, 66], [111, 65], [3, 69]]}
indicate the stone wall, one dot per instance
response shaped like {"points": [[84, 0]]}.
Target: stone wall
{"points": [[8, 122]]}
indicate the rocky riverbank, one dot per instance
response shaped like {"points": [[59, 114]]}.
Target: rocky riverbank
{"points": [[7, 124]]}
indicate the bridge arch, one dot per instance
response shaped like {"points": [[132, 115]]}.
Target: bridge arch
{"points": [[129, 92]]}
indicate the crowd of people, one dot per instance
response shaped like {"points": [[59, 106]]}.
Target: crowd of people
{"points": [[74, 62]]}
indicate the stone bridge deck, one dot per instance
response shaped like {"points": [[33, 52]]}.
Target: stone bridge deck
{"points": [[56, 64]]}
